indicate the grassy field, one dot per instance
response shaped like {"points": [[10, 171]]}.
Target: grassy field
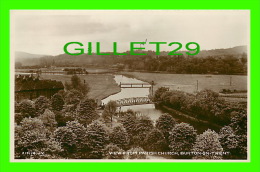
{"points": [[101, 85], [188, 82]]}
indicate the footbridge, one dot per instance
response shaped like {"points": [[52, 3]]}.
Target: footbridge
{"points": [[134, 101]]}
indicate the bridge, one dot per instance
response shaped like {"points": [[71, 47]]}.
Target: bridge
{"points": [[134, 85], [134, 101]]}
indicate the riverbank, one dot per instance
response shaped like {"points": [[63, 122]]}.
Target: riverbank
{"points": [[101, 85], [200, 125]]}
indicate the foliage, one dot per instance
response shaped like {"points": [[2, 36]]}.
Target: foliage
{"points": [[57, 102], [158, 93], [97, 137], [229, 141], [119, 137], [113, 152], [77, 85], [62, 117], [67, 139], [129, 122], [41, 103], [48, 119], [27, 108], [73, 97], [155, 141], [182, 138], [32, 141], [239, 123], [205, 105], [207, 146], [81, 143], [86, 112], [142, 127], [109, 112], [165, 123], [136, 153]]}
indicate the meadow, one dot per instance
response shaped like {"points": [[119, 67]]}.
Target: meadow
{"points": [[101, 85], [188, 82]]}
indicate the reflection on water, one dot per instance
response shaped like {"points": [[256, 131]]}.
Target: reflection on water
{"points": [[147, 109]]}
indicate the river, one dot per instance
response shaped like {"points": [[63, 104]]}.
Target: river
{"points": [[148, 109]]}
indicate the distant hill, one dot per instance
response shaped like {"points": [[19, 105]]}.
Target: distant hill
{"points": [[228, 51], [28, 59]]}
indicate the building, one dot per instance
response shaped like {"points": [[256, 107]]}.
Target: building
{"points": [[30, 87]]}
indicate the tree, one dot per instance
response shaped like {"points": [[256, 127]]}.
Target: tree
{"points": [[182, 138], [113, 152], [41, 103], [136, 153], [129, 122], [155, 141], [57, 102], [81, 142], [32, 136], [229, 142], [67, 139], [73, 97], [239, 122], [119, 137], [97, 137], [27, 108], [142, 127], [207, 146], [77, 85], [62, 117], [48, 119], [109, 112], [158, 93], [165, 123], [86, 112]]}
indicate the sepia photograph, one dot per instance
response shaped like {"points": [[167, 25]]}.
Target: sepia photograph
{"points": [[130, 85]]}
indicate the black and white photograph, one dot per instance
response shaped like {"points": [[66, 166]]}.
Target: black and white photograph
{"points": [[130, 85]]}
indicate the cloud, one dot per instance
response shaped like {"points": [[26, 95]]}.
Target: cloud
{"points": [[45, 32]]}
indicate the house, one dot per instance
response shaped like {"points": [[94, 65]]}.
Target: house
{"points": [[31, 87]]}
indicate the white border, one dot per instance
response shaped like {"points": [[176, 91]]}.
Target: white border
{"points": [[77, 12]]}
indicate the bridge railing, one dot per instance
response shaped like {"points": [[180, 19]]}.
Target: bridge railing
{"points": [[134, 85]]}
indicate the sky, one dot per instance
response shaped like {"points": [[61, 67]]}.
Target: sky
{"points": [[47, 31]]}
